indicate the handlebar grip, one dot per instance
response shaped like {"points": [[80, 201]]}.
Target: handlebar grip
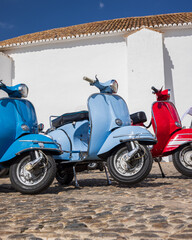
{"points": [[154, 89], [88, 79], [2, 84]]}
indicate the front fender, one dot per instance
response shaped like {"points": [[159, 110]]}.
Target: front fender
{"points": [[125, 134], [29, 142], [181, 137]]}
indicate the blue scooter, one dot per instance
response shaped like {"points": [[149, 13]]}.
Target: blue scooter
{"points": [[23, 150], [103, 133]]}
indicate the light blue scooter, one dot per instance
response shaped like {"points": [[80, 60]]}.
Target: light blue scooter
{"points": [[25, 152], [103, 133]]}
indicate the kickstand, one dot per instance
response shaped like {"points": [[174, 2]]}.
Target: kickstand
{"points": [[75, 175], [107, 175], [162, 173]]}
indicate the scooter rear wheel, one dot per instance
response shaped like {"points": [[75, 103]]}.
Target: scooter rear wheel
{"points": [[36, 180], [64, 176], [131, 171], [182, 160]]}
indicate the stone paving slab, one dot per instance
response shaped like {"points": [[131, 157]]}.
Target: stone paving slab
{"points": [[158, 208]]}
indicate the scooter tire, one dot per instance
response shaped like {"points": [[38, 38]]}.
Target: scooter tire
{"points": [[92, 166], [64, 176], [181, 158], [134, 178], [18, 182]]}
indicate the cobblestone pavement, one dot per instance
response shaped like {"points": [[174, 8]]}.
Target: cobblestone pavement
{"points": [[158, 208]]}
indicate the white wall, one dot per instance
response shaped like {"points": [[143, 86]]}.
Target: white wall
{"points": [[145, 68], [178, 67], [54, 72], [6, 70]]}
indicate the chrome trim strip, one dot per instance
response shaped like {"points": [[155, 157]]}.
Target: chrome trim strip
{"points": [[44, 142], [36, 141], [138, 139], [42, 149], [132, 135]]}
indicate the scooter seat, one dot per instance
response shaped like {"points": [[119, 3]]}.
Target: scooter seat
{"points": [[138, 117], [70, 118]]}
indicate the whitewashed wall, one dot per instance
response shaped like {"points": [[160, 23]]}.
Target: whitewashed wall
{"points": [[54, 72], [6, 70], [145, 68], [178, 67]]}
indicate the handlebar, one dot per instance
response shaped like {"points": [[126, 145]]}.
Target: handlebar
{"points": [[2, 84], [89, 80], [154, 89]]}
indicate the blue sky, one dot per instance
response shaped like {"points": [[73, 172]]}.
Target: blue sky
{"points": [[19, 17]]}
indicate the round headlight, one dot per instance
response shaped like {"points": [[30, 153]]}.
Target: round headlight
{"points": [[25, 127], [23, 89], [114, 86], [118, 122]]}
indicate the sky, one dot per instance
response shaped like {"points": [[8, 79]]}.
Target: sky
{"points": [[20, 17]]}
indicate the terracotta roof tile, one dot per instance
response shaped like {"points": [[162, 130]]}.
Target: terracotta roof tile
{"points": [[130, 23]]}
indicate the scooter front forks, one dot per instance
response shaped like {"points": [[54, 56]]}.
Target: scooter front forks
{"points": [[37, 156], [133, 148]]}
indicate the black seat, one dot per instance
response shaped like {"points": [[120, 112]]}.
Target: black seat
{"points": [[69, 118], [138, 117]]}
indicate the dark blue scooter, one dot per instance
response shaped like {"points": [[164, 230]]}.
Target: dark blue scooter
{"points": [[23, 150], [103, 133]]}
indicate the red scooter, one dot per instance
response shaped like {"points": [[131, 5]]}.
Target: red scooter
{"points": [[172, 139]]}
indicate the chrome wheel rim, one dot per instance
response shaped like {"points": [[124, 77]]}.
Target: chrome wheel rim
{"points": [[186, 157], [33, 177], [127, 167]]}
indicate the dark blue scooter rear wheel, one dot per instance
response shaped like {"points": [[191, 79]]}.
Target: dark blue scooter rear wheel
{"points": [[64, 176]]}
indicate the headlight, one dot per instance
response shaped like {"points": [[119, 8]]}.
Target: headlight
{"points": [[118, 122], [114, 86], [25, 127], [23, 89]]}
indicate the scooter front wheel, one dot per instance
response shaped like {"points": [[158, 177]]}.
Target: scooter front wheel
{"points": [[182, 160], [35, 180], [130, 171]]}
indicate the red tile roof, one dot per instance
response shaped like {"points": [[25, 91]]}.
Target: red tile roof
{"points": [[102, 27]]}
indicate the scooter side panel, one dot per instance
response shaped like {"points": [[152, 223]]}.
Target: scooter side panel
{"points": [[29, 142], [60, 136], [73, 139], [179, 138], [165, 121], [126, 133]]}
